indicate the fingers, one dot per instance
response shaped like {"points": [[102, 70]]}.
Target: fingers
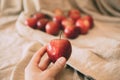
{"points": [[44, 64], [37, 56], [57, 67]]}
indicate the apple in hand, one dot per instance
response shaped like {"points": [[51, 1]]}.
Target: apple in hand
{"points": [[71, 31], [59, 48], [52, 28], [83, 25], [31, 22], [41, 23]]}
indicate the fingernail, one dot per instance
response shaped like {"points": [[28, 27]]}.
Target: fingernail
{"points": [[62, 60]]}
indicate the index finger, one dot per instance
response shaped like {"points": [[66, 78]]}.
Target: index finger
{"points": [[37, 56]]}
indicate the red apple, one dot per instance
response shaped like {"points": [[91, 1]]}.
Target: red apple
{"points": [[83, 25], [52, 28], [58, 19], [41, 23], [90, 20], [74, 14], [31, 22], [59, 48], [74, 11], [67, 22], [38, 16], [58, 12], [71, 31]]}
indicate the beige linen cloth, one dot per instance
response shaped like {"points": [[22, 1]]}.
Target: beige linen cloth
{"points": [[96, 54]]}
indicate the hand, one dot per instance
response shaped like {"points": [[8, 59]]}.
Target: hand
{"points": [[34, 71]]}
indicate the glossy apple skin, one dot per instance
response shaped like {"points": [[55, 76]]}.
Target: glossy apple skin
{"points": [[41, 23], [90, 20], [83, 25], [59, 48], [31, 22], [38, 16], [67, 22], [74, 14], [58, 19], [52, 28], [71, 32]]}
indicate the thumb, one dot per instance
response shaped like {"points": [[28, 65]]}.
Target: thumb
{"points": [[58, 66]]}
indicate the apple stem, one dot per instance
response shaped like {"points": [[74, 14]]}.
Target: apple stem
{"points": [[60, 34]]}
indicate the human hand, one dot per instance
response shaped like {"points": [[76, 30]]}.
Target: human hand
{"points": [[34, 71]]}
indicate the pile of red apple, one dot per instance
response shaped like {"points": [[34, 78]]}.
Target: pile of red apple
{"points": [[72, 24]]}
